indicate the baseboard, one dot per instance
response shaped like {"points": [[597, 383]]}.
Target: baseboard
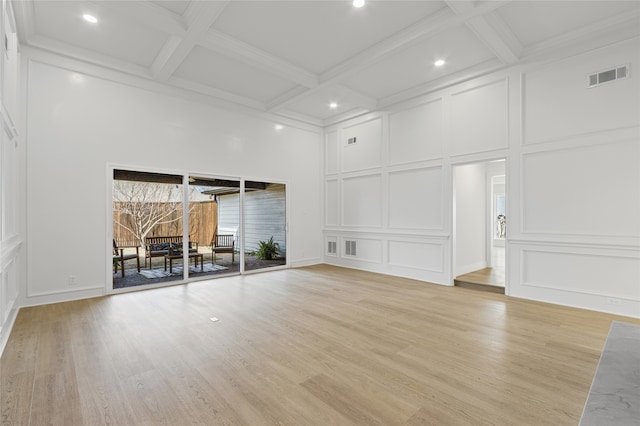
{"points": [[305, 262], [5, 331]]}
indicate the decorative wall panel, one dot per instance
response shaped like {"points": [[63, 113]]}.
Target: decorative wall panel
{"points": [[592, 190], [415, 134], [332, 164], [417, 255], [331, 203], [558, 103], [361, 201], [479, 119], [415, 199], [603, 275], [365, 151]]}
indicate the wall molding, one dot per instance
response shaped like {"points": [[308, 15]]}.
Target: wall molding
{"points": [[572, 244], [10, 251], [584, 253], [409, 236], [576, 140], [524, 178], [438, 245]]}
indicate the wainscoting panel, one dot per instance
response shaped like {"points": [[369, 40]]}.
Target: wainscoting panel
{"points": [[564, 196], [415, 134], [331, 202], [558, 104], [591, 277], [416, 199], [362, 201], [417, 255], [362, 146], [484, 112], [583, 273], [366, 249], [332, 161]]}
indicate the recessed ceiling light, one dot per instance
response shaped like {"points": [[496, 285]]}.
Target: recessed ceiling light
{"points": [[278, 127], [90, 18], [439, 63], [358, 3], [333, 105]]}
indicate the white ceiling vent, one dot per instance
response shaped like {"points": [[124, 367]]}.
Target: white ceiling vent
{"points": [[608, 76]]}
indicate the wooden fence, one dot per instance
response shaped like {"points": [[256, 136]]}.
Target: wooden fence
{"points": [[203, 223]]}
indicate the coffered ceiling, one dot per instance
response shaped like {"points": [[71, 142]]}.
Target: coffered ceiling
{"points": [[294, 58]]}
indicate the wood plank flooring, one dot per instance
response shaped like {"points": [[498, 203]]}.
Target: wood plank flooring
{"points": [[311, 346], [488, 279]]}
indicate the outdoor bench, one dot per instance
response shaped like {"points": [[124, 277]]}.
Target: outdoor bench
{"points": [[160, 246]]}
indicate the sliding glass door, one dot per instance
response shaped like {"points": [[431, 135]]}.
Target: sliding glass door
{"points": [[169, 227], [147, 228]]}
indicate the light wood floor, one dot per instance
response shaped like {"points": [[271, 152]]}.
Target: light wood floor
{"points": [[311, 346], [487, 279]]}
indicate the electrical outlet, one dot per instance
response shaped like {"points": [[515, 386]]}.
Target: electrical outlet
{"points": [[72, 280], [614, 301]]}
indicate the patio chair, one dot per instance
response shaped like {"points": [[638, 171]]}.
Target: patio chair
{"points": [[120, 257], [222, 244]]}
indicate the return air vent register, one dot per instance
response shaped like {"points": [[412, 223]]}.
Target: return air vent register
{"points": [[349, 248], [608, 76], [332, 247]]}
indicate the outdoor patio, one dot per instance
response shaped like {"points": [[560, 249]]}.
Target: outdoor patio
{"points": [[157, 274]]}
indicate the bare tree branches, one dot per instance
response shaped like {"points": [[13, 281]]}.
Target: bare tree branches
{"points": [[143, 206]]}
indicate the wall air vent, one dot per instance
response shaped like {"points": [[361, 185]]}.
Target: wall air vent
{"points": [[608, 76], [351, 141], [349, 248], [332, 247]]}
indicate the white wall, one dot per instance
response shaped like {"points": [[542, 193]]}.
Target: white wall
{"points": [[577, 238], [470, 212], [78, 124], [11, 163], [573, 183]]}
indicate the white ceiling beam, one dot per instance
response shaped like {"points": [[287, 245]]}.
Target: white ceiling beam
{"points": [[146, 14], [216, 93], [88, 56], [503, 44], [490, 30], [403, 39], [25, 20], [618, 22], [295, 92], [219, 42], [199, 17], [354, 97], [421, 30], [291, 115], [347, 115]]}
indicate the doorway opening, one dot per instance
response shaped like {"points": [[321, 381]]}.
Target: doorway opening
{"points": [[480, 225]]}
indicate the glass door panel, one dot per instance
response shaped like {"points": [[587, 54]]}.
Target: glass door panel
{"points": [[265, 222], [214, 218], [147, 228]]}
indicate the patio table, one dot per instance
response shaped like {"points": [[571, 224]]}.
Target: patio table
{"points": [[171, 257]]}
